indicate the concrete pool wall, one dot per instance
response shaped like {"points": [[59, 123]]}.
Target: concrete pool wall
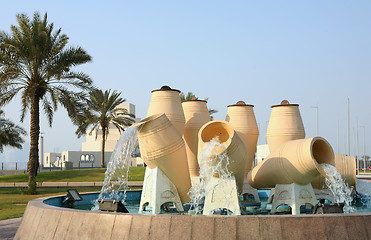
{"points": [[43, 221]]}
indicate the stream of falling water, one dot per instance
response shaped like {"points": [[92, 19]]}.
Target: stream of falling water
{"points": [[213, 162], [116, 176], [341, 191], [364, 188]]}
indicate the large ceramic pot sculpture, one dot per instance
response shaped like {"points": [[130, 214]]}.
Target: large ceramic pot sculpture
{"points": [[285, 124], [161, 146], [235, 148], [346, 166], [167, 100], [296, 161], [242, 118], [196, 115]]}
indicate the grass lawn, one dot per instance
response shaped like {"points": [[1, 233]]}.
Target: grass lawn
{"points": [[76, 175], [13, 202]]}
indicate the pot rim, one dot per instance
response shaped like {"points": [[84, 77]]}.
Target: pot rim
{"points": [[232, 131], [163, 90], [237, 105], [195, 100], [284, 105]]}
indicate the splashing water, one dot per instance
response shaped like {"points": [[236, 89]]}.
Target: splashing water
{"points": [[116, 176], [341, 191], [214, 162], [364, 188]]}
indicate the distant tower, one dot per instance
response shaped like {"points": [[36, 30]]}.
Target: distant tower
{"points": [[41, 150]]}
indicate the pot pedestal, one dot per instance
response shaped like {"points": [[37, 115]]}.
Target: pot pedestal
{"points": [[293, 195], [195, 181], [223, 194], [157, 190], [247, 189], [324, 194]]}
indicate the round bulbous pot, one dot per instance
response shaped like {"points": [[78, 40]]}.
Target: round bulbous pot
{"points": [[285, 124], [296, 161], [346, 166], [243, 121], [162, 146], [196, 115], [167, 100], [234, 148]]}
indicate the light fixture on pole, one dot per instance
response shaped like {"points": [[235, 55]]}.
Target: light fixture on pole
{"points": [[364, 145], [349, 130], [316, 107]]}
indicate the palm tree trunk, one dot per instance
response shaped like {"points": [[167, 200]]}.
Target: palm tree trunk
{"points": [[102, 148], [33, 161]]}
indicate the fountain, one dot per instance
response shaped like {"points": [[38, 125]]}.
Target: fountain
{"points": [[219, 179]]}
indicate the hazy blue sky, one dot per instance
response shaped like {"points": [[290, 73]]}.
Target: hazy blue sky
{"points": [[308, 52]]}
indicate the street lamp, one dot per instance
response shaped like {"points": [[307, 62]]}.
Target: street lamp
{"points": [[364, 145], [316, 107]]}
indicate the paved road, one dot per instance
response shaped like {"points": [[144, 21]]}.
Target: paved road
{"points": [[9, 227]]}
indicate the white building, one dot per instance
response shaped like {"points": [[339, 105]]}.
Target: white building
{"points": [[90, 156], [262, 151]]}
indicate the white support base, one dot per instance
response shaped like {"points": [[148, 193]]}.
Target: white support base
{"points": [[247, 189], [223, 194], [157, 190], [195, 181], [293, 195], [324, 194]]}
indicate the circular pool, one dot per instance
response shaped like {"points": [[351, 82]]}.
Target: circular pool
{"points": [[44, 218]]}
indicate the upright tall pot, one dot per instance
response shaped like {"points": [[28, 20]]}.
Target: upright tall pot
{"points": [[242, 118], [161, 146], [235, 148], [196, 115], [285, 124], [167, 100]]}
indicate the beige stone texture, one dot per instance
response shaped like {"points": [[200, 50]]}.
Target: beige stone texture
{"points": [[292, 228], [270, 227], [140, 226], [48, 224], [202, 228], [196, 115], [63, 223], [235, 148], [181, 227], [162, 146], [225, 227], [122, 225], [242, 119], [42, 221], [160, 228], [168, 101], [248, 227], [296, 161], [285, 124]]}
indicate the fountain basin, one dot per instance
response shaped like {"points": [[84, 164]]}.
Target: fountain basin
{"points": [[44, 221]]}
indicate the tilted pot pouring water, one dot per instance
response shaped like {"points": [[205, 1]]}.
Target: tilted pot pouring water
{"points": [[162, 146], [296, 161]]}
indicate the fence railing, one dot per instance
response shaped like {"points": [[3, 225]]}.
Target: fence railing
{"points": [[13, 165]]}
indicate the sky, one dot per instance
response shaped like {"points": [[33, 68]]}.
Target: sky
{"points": [[313, 53]]}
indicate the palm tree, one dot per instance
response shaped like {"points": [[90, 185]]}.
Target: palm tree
{"points": [[102, 111], [191, 96], [35, 63], [10, 134]]}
